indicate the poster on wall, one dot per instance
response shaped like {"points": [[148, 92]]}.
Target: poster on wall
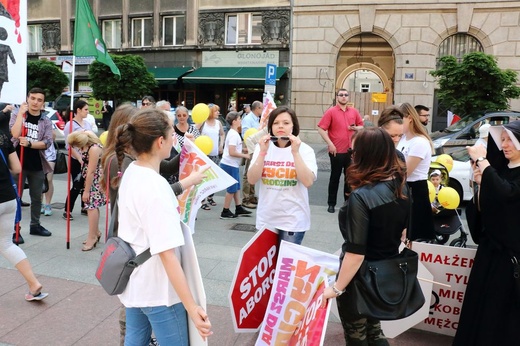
{"points": [[13, 51]]}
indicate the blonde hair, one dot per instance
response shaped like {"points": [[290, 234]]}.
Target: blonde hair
{"points": [[415, 127], [81, 139]]}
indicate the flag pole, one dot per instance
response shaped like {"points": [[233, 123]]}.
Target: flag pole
{"points": [[69, 178]]}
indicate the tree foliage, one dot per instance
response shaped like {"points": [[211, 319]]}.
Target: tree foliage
{"points": [[135, 81], [475, 84], [46, 75]]}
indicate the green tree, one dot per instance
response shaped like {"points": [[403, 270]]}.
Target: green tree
{"points": [[475, 84], [135, 81], [46, 75]]}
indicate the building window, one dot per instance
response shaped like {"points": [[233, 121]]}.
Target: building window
{"points": [[34, 40], [112, 33], [142, 32], [243, 28], [458, 45], [174, 31]]}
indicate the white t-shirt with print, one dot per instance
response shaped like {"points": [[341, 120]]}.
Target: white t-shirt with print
{"points": [[283, 201], [232, 138], [417, 146], [148, 218]]}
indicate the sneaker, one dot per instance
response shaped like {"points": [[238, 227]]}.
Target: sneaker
{"points": [[48, 210], [42, 210], [241, 211], [65, 216], [20, 239], [253, 200], [227, 214], [39, 230], [249, 205]]}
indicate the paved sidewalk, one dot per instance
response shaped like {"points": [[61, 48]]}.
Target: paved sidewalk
{"points": [[79, 312]]}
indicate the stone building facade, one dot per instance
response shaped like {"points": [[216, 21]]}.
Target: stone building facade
{"points": [[403, 40]]}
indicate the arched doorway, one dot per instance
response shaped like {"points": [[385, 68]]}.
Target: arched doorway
{"points": [[365, 66]]}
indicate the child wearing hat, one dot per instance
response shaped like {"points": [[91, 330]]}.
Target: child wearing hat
{"points": [[435, 178]]}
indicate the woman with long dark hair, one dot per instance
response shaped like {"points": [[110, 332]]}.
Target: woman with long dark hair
{"points": [[372, 221]]}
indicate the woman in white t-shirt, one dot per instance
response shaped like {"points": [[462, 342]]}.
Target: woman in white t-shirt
{"points": [[157, 295], [417, 148], [285, 168]]}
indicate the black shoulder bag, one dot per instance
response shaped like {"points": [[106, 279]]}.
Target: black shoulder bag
{"points": [[118, 260], [386, 289]]}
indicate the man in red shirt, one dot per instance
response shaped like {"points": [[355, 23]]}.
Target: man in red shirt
{"points": [[336, 127]]}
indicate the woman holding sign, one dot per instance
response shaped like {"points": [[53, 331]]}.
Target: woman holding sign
{"points": [[157, 295], [490, 313], [286, 168], [372, 222]]}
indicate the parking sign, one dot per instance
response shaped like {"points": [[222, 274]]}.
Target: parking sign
{"points": [[270, 78]]}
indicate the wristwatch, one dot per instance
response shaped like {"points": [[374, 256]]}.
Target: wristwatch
{"points": [[480, 159]]}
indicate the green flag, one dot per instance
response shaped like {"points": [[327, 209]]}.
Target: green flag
{"points": [[88, 40]]}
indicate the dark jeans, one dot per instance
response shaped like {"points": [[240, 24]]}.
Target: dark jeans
{"points": [[338, 165], [35, 180], [75, 169]]}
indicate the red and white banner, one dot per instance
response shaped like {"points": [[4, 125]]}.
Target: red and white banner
{"points": [[251, 286], [13, 50], [294, 316], [191, 199], [451, 266], [269, 106]]}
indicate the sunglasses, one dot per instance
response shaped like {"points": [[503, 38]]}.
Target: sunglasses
{"points": [[275, 139], [342, 95], [146, 103]]}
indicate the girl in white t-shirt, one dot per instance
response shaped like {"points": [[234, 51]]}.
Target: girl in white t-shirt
{"points": [[417, 149], [157, 295], [230, 163], [285, 168]]}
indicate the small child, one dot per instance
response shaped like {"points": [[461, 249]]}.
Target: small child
{"points": [[435, 178], [230, 163]]}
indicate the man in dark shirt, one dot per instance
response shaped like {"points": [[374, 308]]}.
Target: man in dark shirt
{"points": [[32, 135]]}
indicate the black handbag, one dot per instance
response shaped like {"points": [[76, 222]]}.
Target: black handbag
{"points": [[61, 162], [387, 289]]}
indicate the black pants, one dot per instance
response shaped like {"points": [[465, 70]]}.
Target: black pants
{"points": [[75, 169], [338, 165], [422, 217]]}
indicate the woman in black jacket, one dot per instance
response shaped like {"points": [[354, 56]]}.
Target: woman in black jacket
{"points": [[372, 222]]}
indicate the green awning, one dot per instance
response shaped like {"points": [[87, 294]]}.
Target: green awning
{"points": [[231, 75], [169, 73]]}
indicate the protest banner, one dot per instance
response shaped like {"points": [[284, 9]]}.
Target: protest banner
{"points": [[294, 316], [13, 51], [190, 200], [191, 268], [269, 106], [451, 266], [253, 280]]}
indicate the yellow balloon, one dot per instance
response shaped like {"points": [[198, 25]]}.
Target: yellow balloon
{"points": [[204, 143], [445, 160], [431, 191], [448, 198], [200, 113], [249, 132], [103, 138]]}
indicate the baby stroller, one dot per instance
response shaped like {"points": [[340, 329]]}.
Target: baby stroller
{"points": [[447, 221]]}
